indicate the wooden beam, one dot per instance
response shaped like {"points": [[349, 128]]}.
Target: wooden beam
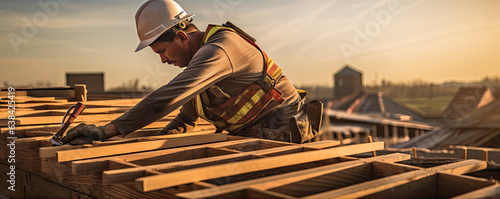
{"points": [[288, 178], [450, 185], [61, 112], [440, 185], [374, 186], [255, 193], [100, 164], [78, 154], [58, 119], [493, 154], [156, 182], [382, 169], [50, 152], [492, 191], [150, 138], [100, 103], [128, 174]]}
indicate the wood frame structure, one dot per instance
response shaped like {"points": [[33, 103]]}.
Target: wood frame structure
{"points": [[204, 165]]}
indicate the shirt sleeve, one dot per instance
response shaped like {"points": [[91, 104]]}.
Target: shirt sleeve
{"points": [[207, 67], [184, 122]]}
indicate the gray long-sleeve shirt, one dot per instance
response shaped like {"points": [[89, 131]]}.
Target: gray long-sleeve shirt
{"points": [[226, 60]]}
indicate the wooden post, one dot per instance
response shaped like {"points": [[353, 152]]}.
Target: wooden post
{"points": [[465, 153], [386, 132], [417, 132], [485, 155], [339, 137], [414, 152], [395, 133], [374, 131], [80, 92], [407, 134], [356, 137], [370, 140]]}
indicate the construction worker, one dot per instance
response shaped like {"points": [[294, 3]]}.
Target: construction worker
{"points": [[227, 80]]}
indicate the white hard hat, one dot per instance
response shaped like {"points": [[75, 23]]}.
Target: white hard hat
{"points": [[155, 17]]}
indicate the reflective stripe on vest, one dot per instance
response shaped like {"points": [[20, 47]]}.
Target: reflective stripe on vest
{"points": [[249, 103]]}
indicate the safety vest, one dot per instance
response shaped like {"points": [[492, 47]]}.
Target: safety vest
{"points": [[242, 108]]}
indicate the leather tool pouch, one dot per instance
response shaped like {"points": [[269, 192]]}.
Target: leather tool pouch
{"points": [[306, 123]]}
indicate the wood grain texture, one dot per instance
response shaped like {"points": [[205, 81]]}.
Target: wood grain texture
{"points": [[492, 191], [223, 155], [86, 153], [192, 175], [374, 186], [289, 178]]}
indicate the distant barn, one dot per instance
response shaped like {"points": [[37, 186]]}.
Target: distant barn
{"points": [[351, 98], [348, 82]]}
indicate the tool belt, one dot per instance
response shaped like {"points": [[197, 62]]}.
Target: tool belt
{"points": [[297, 123]]}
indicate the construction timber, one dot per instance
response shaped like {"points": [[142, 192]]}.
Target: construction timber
{"points": [[203, 164]]}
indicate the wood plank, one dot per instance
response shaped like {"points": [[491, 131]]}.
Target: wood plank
{"points": [[382, 169], [478, 153], [151, 138], [61, 112], [58, 119], [422, 188], [156, 182], [27, 98], [255, 193], [89, 104], [440, 185], [492, 191], [450, 185], [288, 178], [128, 174], [78, 154], [100, 164], [50, 152], [374, 186]]}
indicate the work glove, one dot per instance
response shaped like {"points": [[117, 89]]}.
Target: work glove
{"points": [[84, 134]]}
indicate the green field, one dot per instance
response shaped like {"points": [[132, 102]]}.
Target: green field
{"points": [[427, 106]]}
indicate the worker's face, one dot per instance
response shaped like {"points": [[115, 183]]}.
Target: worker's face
{"points": [[175, 52]]}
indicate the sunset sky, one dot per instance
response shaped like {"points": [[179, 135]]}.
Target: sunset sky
{"points": [[402, 40]]}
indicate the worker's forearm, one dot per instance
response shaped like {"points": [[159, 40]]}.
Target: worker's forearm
{"points": [[111, 130]]}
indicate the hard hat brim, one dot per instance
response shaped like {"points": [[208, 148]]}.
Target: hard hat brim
{"points": [[145, 43]]}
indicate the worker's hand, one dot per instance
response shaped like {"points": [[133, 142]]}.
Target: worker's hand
{"points": [[84, 134]]}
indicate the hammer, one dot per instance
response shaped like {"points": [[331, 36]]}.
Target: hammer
{"points": [[78, 108]]}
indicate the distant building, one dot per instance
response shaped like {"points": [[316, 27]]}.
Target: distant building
{"points": [[94, 81], [348, 82], [375, 104]]}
